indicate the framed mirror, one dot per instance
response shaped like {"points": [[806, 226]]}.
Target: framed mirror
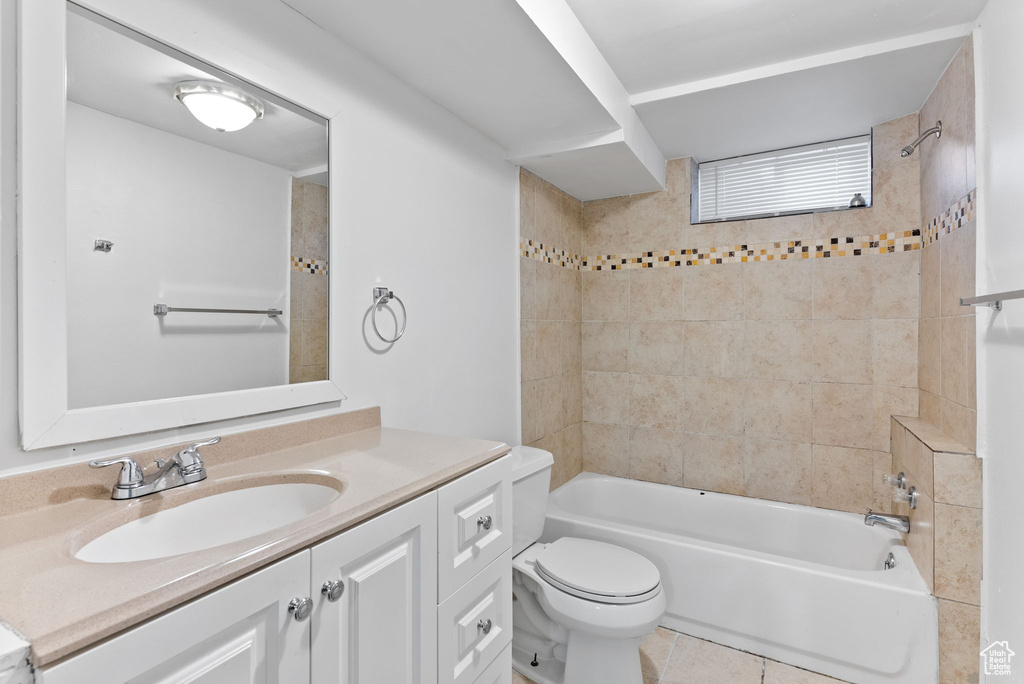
{"points": [[175, 237]]}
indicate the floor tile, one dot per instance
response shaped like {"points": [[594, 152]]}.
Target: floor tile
{"points": [[695, 661], [655, 650], [777, 673]]}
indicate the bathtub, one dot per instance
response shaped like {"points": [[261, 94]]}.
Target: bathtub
{"points": [[801, 585]]}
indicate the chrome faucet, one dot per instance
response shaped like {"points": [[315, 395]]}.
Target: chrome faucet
{"points": [[900, 523], [185, 467]]}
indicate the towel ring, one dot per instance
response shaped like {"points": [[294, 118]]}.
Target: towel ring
{"points": [[381, 295]]}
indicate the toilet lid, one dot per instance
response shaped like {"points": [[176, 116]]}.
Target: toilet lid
{"points": [[597, 568]]}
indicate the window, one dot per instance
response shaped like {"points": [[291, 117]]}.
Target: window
{"points": [[794, 180]]}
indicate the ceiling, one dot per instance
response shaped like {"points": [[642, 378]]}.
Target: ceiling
{"points": [[110, 71], [595, 95]]}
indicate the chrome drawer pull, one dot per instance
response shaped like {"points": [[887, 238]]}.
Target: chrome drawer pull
{"points": [[484, 521], [484, 626], [300, 608], [333, 589]]}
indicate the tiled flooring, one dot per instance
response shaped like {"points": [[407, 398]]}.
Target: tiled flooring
{"points": [[668, 657]]}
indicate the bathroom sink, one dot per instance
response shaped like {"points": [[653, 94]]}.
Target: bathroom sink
{"points": [[207, 522]]}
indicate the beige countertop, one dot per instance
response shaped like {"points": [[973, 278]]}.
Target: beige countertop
{"points": [[61, 604]]}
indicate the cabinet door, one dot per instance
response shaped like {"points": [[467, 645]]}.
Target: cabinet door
{"points": [[240, 634], [381, 629]]}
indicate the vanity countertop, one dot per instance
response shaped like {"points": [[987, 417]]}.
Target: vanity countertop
{"points": [[61, 604]]}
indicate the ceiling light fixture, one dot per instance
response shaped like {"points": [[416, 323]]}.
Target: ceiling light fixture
{"points": [[220, 106]]}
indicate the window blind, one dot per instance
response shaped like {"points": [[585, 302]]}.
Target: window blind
{"points": [[796, 179]]}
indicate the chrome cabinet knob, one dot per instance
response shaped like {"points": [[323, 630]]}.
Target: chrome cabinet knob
{"points": [[484, 521], [484, 626], [333, 589], [300, 608]]}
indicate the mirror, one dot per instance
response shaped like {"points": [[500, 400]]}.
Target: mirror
{"points": [[197, 236]]}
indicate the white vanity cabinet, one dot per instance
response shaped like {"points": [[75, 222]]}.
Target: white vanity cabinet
{"points": [[240, 634], [376, 614]]}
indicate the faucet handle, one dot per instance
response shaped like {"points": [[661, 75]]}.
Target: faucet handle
{"points": [[897, 481], [131, 473], [189, 457]]}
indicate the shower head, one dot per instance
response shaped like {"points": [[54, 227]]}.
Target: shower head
{"points": [[935, 130]]}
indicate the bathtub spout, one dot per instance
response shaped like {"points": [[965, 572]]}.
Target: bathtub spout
{"points": [[900, 523]]}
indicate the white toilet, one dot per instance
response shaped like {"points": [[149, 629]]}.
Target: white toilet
{"points": [[580, 607]]}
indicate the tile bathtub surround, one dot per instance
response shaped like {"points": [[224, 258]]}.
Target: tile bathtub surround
{"points": [[765, 374], [551, 335], [308, 344], [946, 536]]}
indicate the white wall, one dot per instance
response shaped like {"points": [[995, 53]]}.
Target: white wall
{"points": [[424, 204], [202, 228], [999, 56]]}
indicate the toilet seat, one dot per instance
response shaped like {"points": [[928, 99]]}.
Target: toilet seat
{"points": [[597, 571]]}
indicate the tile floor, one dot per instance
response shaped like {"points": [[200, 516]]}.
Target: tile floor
{"points": [[668, 657]]}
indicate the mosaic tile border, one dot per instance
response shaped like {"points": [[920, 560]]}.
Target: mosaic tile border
{"points": [[305, 265], [957, 216], [549, 255]]}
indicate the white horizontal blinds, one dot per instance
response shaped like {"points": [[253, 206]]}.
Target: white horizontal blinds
{"points": [[822, 176]]}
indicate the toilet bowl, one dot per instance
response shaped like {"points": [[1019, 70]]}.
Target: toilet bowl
{"points": [[581, 607]]}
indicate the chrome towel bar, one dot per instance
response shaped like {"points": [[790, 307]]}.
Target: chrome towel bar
{"points": [[382, 295], [163, 310], [994, 301]]}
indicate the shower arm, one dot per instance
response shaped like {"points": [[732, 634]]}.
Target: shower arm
{"points": [[935, 130]]}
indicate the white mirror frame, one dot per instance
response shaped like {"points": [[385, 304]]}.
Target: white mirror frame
{"points": [[45, 418]]}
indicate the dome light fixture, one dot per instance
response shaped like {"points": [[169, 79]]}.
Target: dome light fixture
{"points": [[220, 106]]}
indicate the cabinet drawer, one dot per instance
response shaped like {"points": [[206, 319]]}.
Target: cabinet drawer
{"points": [[474, 524], [500, 671], [475, 624]]}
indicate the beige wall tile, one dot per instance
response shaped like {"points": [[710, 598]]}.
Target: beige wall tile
{"points": [[658, 221], [606, 296], [896, 196], [896, 280], [779, 350], [778, 289], [656, 401], [656, 294], [549, 348], [930, 269], [779, 229], [572, 301], [551, 296], [959, 643], [849, 479], [778, 410], [606, 346], [843, 351], [958, 479], [655, 455], [843, 415], [606, 226], [657, 347], [972, 361], [959, 422], [958, 536], [928, 355], [894, 352], [571, 462], [528, 351], [930, 407], [957, 269], [552, 404], [527, 205], [314, 342], [716, 349], [713, 463], [887, 139], [527, 288], [606, 398], [530, 408], [888, 402], [315, 304], [778, 471], [713, 406], [713, 293], [551, 206], [953, 359], [606, 449], [828, 224], [572, 398], [843, 287], [572, 346]]}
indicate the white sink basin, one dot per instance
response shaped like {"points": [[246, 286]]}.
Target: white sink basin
{"points": [[208, 522]]}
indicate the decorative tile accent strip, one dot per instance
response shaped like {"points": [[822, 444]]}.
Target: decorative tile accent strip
{"points": [[884, 243], [314, 266], [957, 216], [549, 255]]}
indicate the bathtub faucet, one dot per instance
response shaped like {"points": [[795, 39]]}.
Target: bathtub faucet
{"points": [[900, 523]]}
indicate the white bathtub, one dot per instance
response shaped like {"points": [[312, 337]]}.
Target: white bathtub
{"points": [[801, 585]]}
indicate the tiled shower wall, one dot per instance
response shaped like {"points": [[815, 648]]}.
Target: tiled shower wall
{"points": [[770, 369], [307, 359], [550, 307]]}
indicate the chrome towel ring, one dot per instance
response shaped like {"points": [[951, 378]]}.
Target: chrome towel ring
{"points": [[382, 295]]}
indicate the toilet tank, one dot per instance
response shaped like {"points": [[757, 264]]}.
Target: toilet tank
{"points": [[531, 477]]}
